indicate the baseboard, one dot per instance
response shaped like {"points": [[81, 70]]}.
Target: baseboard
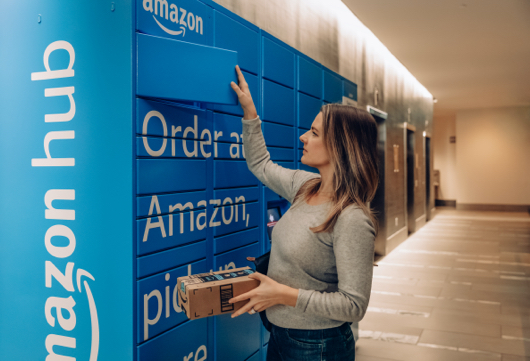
{"points": [[396, 239], [444, 203], [494, 207], [420, 222]]}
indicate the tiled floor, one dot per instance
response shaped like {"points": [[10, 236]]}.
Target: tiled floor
{"points": [[458, 289]]}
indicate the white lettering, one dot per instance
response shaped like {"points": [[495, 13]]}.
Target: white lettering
{"points": [[56, 74], [174, 14], [60, 304], [161, 5], [63, 231], [200, 226], [63, 214], [242, 199], [54, 162], [148, 5], [199, 24], [158, 224], [57, 340], [183, 17], [66, 279], [216, 202], [234, 146], [174, 131], [55, 92], [208, 142], [154, 113], [216, 135], [191, 21], [181, 208], [227, 200], [147, 320], [195, 132]]}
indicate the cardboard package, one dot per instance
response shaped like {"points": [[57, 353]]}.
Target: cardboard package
{"points": [[207, 294]]}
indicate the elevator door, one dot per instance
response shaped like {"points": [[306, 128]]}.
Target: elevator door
{"points": [[411, 222]]}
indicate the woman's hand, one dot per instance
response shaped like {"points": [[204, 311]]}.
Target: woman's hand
{"points": [[243, 94], [267, 294]]}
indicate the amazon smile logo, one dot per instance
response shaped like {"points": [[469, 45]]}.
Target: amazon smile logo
{"points": [[180, 18]]}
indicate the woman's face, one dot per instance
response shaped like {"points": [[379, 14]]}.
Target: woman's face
{"points": [[315, 153]]}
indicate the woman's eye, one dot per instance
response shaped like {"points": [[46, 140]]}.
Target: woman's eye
{"points": [[314, 133]]}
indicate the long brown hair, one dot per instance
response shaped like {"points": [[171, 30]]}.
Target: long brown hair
{"points": [[350, 137]]}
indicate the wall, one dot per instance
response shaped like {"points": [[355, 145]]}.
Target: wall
{"points": [[445, 156], [492, 156], [329, 33]]}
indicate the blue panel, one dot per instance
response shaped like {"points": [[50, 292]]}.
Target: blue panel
{"points": [[225, 125], [308, 109], [255, 357], [236, 218], [236, 258], [143, 204], [178, 343], [350, 89], [278, 103], [253, 85], [309, 77], [278, 135], [248, 194], [289, 165], [172, 69], [170, 175], [192, 21], [281, 153], [270, 195], [148, 300], [162, 232], [235, 240], [154, 147], [171, 121], [229, 174], [228, 151], [278, 63], [162, 261], [97, 43], [332, 88], [232, 35], [238, 338]]}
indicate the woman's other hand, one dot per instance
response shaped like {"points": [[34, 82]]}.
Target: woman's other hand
{"points": [[267, 294], [243, 94]]}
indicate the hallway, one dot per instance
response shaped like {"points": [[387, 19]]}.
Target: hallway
{"points": [[458, 289]]}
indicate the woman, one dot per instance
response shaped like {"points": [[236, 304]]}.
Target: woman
{"points": [[321, 262]]}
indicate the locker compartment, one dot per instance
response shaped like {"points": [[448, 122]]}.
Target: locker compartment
{"points": [[278, 63], [309, 77], [160, 290], [289, 165], [227, 128], [235, 216], [279, 154], [191, 21], [169, 175], [155, 118], [164, 64], [237, 338], [178, 343], [332, 88], [236, 258], [163, 232], [231, 174], [157, 147], [248, 194], [235, 240], [228, 151], [278, 135], [350, 90], [253, 85], [255, 357], [231, 35], [161, 261], [308, 109], [164, 201], [278, 103]]}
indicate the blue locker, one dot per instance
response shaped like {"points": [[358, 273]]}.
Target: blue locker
{"points": [[253, 85], [236, 217], [227, 128], [278, 103], [235, 240], [299, 142], [233, 174], [162, 261], [238, 195], [308, 109], [255, 357], [228, 151], [158, 301], [278, 63], [204, 72], [169, 175], [281, 154], [149, 205], [191, 21], [309, 77], [278, 135], [232, 35], [332, 87], [190, 338]]}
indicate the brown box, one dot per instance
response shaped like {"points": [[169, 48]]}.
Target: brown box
{"points": [[207, 294]]}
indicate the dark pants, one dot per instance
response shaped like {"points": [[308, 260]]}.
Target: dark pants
{"points": [[331, 344]]}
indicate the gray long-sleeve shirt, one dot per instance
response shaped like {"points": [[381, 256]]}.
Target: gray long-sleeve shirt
{"points": [[333, 271]]}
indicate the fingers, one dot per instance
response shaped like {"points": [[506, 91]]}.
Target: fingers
{"points": [[251, 259], [237, 89], [241, 79], [244, 296], [246, 308]]}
